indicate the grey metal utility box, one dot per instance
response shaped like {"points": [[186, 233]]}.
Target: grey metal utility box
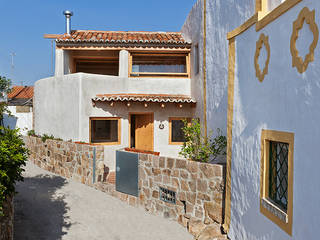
{"points": [[127, 164]]}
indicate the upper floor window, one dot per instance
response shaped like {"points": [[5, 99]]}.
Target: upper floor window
{"points": [[196, 59], [272, 4], [159, 64]]}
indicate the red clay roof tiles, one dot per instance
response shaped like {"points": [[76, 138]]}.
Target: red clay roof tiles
{"points": [[21, 92], [161, 98], [174, 39]]}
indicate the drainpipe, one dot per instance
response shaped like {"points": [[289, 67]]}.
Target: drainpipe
{"points": [[94, 166]]}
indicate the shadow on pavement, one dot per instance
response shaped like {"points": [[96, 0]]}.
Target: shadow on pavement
{"points": [[39, 211]]}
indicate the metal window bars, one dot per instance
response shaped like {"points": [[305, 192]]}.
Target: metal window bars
{"points": [[278, 174]]}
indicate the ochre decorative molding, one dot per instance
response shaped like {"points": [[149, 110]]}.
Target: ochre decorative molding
{"points": [[263, 40], [231, 77], [309, 17]]}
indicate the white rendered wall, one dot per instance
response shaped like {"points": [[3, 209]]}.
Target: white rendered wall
{"points": [[23, 121], [222, 17], [285, 101], [63, 106]]}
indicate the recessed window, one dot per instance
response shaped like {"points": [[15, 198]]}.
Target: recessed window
{"points": [[23, 109], [196, 59], [176, 134], [158, 64], [277, 177], [278, 173], [105, 130]]}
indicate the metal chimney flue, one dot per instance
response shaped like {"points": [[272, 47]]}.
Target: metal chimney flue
{"points": [[68, 15]]}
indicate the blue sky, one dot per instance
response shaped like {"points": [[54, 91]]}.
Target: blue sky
{"points": [[23, 23]]}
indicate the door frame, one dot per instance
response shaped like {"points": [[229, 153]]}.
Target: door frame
{"points": [[152, 125]]}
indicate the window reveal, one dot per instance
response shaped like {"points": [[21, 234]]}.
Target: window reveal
{"points": [[104, 131]]}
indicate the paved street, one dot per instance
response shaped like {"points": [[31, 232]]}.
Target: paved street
{"points": [[51, 207]]}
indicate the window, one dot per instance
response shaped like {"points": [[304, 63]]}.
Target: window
{"points": [[196, 59], [98, 66], [277, 177], [105, 130], [176, 135], [23, 109], [143, 64]]}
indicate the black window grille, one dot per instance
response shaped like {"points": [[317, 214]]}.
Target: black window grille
{"points": [[278, 174], [167, 195]]}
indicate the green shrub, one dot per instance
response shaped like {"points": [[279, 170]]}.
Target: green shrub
{"points": [[31, 133], [199, 148], [44, 137], [13, 156]]}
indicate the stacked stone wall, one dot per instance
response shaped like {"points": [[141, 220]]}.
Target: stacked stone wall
{"points": [[6, 221], [198, 187], [68, 159]]}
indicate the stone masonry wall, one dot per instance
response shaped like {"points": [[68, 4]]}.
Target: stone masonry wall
{"points": [[6, 221], [68, 159], [199, 187]]}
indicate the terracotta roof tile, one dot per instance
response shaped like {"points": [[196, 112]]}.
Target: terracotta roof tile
{"points": [[160, 98], [21, 92], [174, 39]]}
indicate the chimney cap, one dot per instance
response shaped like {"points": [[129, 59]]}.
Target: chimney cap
{"points": [[68, 13]]}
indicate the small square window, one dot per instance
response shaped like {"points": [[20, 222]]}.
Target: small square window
{"points": [[276, 182], [105, 130], [176, 134]]}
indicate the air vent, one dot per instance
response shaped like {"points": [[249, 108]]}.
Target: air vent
{"points": [[167, 195]]}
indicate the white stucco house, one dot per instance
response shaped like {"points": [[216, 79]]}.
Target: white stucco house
{"points": [[20, 105], [273, 116], [137, 84]]}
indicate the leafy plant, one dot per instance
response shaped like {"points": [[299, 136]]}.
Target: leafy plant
{"points": [[200, 148], [13, 156], [31, 133], [44, 137]]}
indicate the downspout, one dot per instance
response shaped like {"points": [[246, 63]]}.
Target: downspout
{"points": [[205, 68]]}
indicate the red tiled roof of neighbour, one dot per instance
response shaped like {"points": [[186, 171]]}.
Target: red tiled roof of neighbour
{"points": [[23, 92], [160, 98], [124, 38]]}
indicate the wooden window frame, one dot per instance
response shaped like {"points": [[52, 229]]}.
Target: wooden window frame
{"points": [[267, 208], [159, 74], [170, 128], [106, 118]]}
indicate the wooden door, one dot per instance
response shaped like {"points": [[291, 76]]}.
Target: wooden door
{"points": [[144, 132]]}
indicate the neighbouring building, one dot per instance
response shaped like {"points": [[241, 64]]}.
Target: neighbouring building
{"points": [[274, 94], [20, 105]]}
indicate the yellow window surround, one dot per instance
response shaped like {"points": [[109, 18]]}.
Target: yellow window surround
{"points": [[267, 207]]}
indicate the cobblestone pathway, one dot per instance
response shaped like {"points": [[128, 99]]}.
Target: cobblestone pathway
{"points": [[51, 207]]}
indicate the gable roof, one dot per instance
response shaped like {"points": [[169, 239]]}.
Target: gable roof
{"points": [[122, 38], [21, 92]]}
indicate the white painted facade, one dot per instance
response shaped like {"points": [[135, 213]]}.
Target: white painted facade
{"points": [[285, 101], [221, 17], [23, 121]]}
